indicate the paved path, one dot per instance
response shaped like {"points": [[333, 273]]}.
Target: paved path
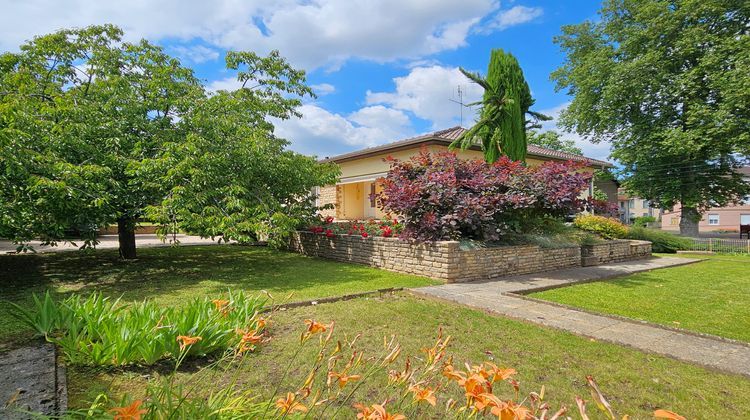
{"points": [[30, 381], [110, 242], [498, 296]]}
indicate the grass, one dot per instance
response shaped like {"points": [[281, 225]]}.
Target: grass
{"points": [[708, 297], [172, 275], [635, 383]]}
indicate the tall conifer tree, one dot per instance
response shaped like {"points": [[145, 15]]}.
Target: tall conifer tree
{"points": [[501, 128]]}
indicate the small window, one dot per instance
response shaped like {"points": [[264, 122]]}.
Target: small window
{"points": [[674, 221], [713, 219]]}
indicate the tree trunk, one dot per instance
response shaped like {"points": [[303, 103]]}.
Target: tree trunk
{"points": [[689, 218], [126, 238]]}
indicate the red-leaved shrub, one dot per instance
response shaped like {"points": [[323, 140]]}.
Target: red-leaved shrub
{"points": [[439, 196], [603, 208]]}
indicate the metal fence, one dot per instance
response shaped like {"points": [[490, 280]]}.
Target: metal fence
{"points": [[720, 245]]}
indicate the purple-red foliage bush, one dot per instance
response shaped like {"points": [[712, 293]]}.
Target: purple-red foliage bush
{"points": [[603, 208], [441, 197]]}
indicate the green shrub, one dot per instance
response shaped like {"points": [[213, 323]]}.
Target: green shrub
{"points": [[605, 227], [99, 331], [660, 241], [643, 221]]}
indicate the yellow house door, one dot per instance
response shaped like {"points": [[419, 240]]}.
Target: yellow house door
{"points": [[370, 210]]}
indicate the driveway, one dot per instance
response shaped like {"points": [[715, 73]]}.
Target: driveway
{"points": [[110, 242]]}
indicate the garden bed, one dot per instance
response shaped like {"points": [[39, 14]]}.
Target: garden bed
{"points": [[446, 260]]}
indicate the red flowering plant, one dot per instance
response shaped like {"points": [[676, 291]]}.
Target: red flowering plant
{"points": [[441, 197], [323, 226], [368, 228]]}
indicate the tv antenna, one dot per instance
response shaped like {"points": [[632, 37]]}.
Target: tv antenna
{"points": [[460, 103]]}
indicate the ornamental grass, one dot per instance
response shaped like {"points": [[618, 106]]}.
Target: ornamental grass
{"points": [[99, 331]]}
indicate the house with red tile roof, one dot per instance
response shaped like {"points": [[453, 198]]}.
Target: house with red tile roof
{"points": [[361, 169]]}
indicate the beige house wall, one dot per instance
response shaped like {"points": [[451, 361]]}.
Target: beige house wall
{"points": [[632, 207], [328, 195]]}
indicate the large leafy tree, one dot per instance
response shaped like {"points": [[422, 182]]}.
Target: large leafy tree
{"points": [[553, 140], [668, 84], [97, 131], [501, 127]]}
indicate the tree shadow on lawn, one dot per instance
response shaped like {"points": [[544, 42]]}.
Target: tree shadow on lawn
{"points": [[165, 271], [172, 276]]}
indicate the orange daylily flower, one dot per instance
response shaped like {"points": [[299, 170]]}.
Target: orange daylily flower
{"points": [[487, 400], [343, 378], [222, 305], [376, 412], [261, 323], [494, 374], [186, 340], [314, 327], [666, 414], [451, 373], [436, 352], [131, 412], [426, 394], [508, 410], [289, 405], [396, 377], [249, 339], [219, 304], [476, 385]]}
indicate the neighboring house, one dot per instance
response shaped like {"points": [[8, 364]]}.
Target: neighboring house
{"points": [[632, 207], [727, 218], [360, 170]]}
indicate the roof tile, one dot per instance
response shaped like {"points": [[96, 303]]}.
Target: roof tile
{"points": [[453, 133]]}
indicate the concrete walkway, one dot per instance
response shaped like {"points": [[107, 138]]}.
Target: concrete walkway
{"points": [[501, 297], [110, 242]]}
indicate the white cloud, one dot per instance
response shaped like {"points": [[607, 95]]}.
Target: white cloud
{"points": [[391, 122], [310, 33], [516, 15], [323, 133], [229, 84], [596, 151], [323, 89], [427, 91], [195, 53]]}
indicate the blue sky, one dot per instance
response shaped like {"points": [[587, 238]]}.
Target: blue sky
{"points": [[383, 70]]}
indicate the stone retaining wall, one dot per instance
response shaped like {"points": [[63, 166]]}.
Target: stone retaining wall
{"points": [[488, 263], [446, 261], [614, 251]]}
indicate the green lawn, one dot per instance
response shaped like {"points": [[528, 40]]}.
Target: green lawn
{"points": [[635, 383], [172, 275], [709, 297]]}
